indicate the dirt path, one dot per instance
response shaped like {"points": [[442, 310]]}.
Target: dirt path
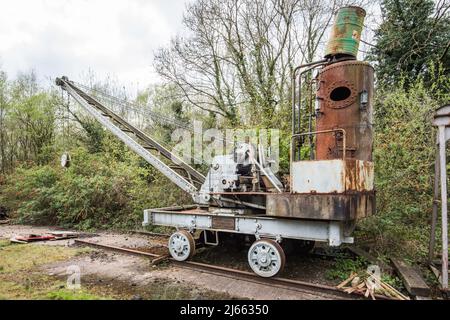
{"points": [[136, 277]]}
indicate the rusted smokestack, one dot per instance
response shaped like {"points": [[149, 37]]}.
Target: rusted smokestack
{"points": [[346, 32], [345, 100], [345, 93]]}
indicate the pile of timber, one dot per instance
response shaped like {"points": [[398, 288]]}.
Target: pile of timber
{"points": [[370, 286], [51, 236]]}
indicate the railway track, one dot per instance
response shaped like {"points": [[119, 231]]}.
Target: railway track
{"points": [[284, 283], [314, 253]]}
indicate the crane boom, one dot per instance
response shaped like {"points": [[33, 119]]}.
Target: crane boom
{"points": [[123, 130]]}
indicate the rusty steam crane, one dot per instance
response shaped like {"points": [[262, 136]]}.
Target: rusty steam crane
{"points": [[331, 171]]}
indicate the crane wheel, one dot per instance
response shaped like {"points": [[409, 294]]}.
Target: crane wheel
{"points": [[266, 258], [181, 245]]}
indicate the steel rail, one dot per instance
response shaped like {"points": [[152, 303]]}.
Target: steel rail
{"points": [[289, 284]]}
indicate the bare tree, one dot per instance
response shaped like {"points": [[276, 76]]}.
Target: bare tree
{"points": [[316, 17], [237, 56]]}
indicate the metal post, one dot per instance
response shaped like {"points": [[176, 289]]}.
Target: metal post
{"points": [[434, 215], [443, 176]]}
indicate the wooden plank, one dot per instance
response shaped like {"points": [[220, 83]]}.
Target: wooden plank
{"points": [[362, 253], [411, 278]]}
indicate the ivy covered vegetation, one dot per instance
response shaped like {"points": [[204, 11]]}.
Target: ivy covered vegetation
{"points": [[404, 156], [105, 186], [96, 191], [108, 186]]}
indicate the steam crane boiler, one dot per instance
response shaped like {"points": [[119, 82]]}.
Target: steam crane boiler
{"points": [[331, 179]]}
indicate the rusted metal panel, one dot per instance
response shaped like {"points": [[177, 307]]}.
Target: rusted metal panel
{"points": [[337, 207], [346, 32], [325, 176], [359, 175], [345, 96], [332, 176], [223, 223]]}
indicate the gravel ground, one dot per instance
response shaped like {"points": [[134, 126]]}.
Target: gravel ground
{"points": [[132, 274]]}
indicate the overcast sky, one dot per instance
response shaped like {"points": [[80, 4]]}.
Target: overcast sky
{"points": [[69, 37]]}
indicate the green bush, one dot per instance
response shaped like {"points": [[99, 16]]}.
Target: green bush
{"points": [[96, 191], [343, 267]]}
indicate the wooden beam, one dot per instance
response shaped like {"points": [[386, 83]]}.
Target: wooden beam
{"points": [[413, 281]]}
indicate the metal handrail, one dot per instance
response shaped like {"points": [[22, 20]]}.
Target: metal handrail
{"points": [[312, 66]]}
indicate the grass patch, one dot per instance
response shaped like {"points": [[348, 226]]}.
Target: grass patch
{"points": [[65, 294], [4, 243], [20, 277], [19, 257]]}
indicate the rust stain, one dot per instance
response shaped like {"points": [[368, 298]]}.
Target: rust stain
{"points": [[359, 176], [347, 26], [336, 207]]}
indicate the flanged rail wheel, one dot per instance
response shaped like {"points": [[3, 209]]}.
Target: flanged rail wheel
{"points": [[266, 258], [181, 245]]}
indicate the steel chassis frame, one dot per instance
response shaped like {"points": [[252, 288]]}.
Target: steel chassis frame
{"points": [[260, 226]]}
